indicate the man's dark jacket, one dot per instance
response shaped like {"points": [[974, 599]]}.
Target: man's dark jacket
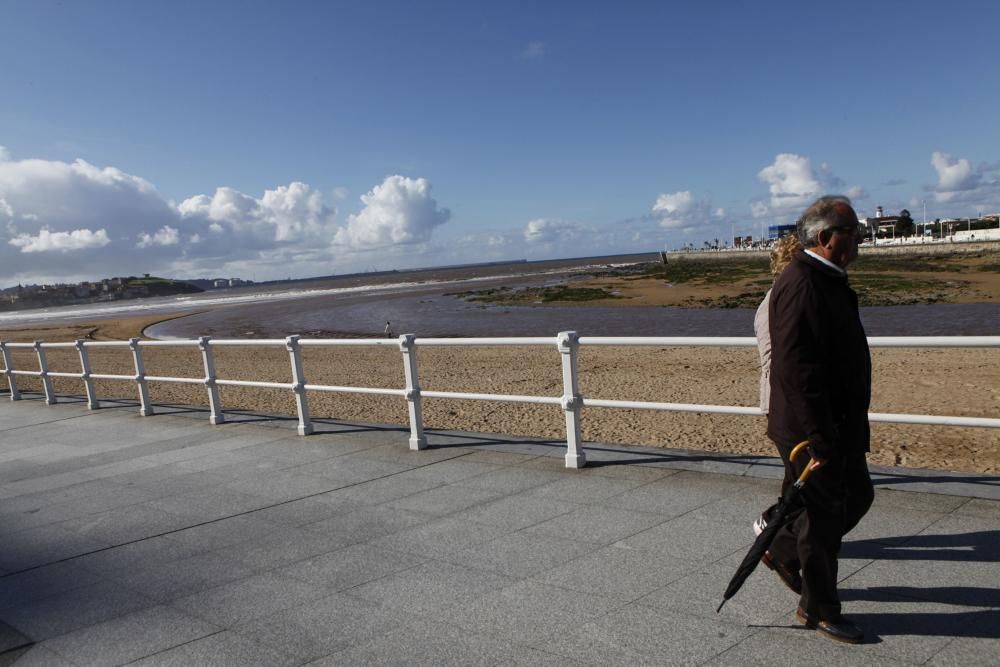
{"points": [[820, 364]]}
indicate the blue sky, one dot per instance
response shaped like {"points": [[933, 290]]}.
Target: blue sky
{"points": [[266, 139]]}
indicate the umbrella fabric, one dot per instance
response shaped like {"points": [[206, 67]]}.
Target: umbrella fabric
{"points": [[790, 501]]}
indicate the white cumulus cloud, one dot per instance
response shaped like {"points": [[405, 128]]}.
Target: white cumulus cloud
{"points": [[793, 183], [68, 221], [955, 176], [166, 235], [546, 230], [400, 210], [676, 210], [48, 241], [791, 180]]}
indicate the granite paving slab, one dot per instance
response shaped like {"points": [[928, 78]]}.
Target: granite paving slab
{"points": [[76, 608], [223, 649], [516, 511], [130, 637], [367, 524], [350, 566], [430, 587], [790, 646], [444, 500], [519, 555], [170, 541], [246, 599], [441, 537], [322, 627], [18, 590], [424, 642], [600, 525], [618, 572], [528, 612], [632, 636]]}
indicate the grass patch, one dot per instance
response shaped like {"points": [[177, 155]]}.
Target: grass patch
{"points": [[912, 263], [551, 294], [712, 271]]}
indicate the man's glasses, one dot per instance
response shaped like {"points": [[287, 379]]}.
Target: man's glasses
{"points": [[854, 230]]}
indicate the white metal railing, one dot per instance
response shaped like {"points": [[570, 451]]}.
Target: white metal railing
{"points": [[567, 343]]}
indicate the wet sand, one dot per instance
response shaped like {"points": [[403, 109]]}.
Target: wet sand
{"points": [[931, 381]]}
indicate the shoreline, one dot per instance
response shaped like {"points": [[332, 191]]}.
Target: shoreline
{"points": [[953, 381]]}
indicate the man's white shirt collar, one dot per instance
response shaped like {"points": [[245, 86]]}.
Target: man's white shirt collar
{"points": [[827, 262]]}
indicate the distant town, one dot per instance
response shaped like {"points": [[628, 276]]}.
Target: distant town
{"points": [[109, 289], [879, 230]]}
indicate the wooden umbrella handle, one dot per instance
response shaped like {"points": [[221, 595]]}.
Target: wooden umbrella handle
{"points": [[808, 469]]}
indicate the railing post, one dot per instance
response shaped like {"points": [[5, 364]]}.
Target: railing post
{"points": [[569, 342], [299, 384], [92, 402], [8, 364], [408, 346], [145, 407], [43, 367], [214, 404]]}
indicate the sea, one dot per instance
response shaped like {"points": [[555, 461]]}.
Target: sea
{"points": [[425, 303]]}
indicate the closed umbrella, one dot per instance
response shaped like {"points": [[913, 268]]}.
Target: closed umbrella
{"points": [[790, 501]]}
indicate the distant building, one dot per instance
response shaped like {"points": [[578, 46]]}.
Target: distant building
{"points": [[775, 232]]}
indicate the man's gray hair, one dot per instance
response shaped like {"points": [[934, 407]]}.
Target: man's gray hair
{"points": [[820, 215]]}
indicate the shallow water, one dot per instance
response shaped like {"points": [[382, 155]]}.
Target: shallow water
{"points": [[428, 312]]}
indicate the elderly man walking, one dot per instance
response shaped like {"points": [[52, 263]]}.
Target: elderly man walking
{"points": [[820, 392]]}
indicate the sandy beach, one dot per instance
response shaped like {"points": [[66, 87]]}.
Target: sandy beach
{"points": [[922, 381]]}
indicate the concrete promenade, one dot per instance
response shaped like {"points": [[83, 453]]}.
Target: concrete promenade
{"points": [[166, 541]]}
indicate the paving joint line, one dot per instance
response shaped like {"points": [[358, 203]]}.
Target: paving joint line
{"points": [[232, 516], [51, 421]]}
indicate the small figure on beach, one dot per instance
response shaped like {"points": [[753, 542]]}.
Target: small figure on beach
{"points": [[820, 390], [388, 329]]}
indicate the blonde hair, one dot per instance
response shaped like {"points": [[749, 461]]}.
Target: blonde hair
{"points": [[783, 251]]}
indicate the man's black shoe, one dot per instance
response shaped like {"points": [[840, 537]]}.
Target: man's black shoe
{"points": [[840, 630], [788, 576]]}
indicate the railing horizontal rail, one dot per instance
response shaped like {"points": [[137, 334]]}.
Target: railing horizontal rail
{"points": [[534, 340], [254, 383], [168, 343], [355, 390], [253, 342], [162, 378], [670, 341], [348, 342], [571, 401], [673, 407], [934, 341], [748, 341], [933, 420], [510, 398]]}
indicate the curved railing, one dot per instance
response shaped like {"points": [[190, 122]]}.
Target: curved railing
{"points": [[568, 343]]}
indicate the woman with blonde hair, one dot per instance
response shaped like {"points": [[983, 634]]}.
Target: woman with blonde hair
{"points": [[781, 255]]}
